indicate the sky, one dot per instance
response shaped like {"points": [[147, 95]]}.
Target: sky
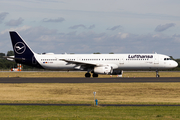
{"points": [[89, 26]]}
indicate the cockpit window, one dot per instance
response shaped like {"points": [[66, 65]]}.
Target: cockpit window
{"points": [[167, 59]]}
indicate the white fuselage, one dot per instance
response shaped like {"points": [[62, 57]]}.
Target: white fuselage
{"points": [[117, 61]]}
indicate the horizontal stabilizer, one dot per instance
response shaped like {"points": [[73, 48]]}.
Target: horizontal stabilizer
{"points": [[12, 58]]}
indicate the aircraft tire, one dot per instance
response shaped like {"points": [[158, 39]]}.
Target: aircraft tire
{"points": [[157, 76], [87, 75], [95, 75]]}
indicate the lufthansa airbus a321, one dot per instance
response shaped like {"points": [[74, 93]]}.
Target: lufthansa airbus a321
{"points": [[111, 64]]}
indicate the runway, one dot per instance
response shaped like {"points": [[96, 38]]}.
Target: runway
{"points": [[87, 80]]}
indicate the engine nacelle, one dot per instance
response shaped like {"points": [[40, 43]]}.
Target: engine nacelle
{"points": [[103, 70]]}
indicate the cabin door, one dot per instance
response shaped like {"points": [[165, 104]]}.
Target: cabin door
{"points": [[156, 59], [121, 61]]}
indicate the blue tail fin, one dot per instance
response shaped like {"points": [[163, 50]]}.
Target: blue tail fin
{"points": [[23, 53], [21, 49]]}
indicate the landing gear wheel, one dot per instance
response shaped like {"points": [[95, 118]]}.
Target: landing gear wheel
{"points": [[95, 75], [87, 75], [157, 74]]}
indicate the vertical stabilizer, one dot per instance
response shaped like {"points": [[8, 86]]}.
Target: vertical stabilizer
{"points": [[23, 53], [21, 49]]}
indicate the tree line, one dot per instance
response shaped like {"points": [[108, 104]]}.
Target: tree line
{"points": [[7, 65]]}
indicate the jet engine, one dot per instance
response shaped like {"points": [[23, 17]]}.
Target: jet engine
{"points": [[103, 70]]}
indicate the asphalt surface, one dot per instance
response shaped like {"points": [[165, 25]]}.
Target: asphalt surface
{"points": [[87, 80]]}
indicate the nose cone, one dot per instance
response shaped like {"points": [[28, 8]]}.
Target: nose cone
{"points": [[174, 64]]}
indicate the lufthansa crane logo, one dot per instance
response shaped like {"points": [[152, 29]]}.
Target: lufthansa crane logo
{"points": [[19, 48]]}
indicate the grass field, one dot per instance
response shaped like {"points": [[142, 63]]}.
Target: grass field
{"points": [[88, 113], [81, 74], [114, 93]]}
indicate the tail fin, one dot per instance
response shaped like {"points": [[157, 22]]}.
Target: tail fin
{"points": [[21, 49], [23, 53]]}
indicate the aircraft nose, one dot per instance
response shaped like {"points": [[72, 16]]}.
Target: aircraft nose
{"points": [[175, 64]]}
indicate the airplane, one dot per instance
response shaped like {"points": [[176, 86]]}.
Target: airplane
{"points": [[111, 64]]}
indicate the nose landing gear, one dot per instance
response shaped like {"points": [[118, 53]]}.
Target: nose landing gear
{"points": [[157, 74]]}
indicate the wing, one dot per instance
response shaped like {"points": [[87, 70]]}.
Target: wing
{"points": [[82, 63], [88, 64]]}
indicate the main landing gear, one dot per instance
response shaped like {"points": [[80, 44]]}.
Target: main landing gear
{"points": [[157, 74], [95, 75], [88, 75]]}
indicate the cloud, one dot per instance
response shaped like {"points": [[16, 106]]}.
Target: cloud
{"points": [[60, 19], [77, 26], [175, 35], [56, 1], [15, 22], [115, 28], [82, 26], [42, 39], [123, 35], [91, 27], [38, 32], [47, 0], [2, 16], [161, 28], [23, 28]]}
